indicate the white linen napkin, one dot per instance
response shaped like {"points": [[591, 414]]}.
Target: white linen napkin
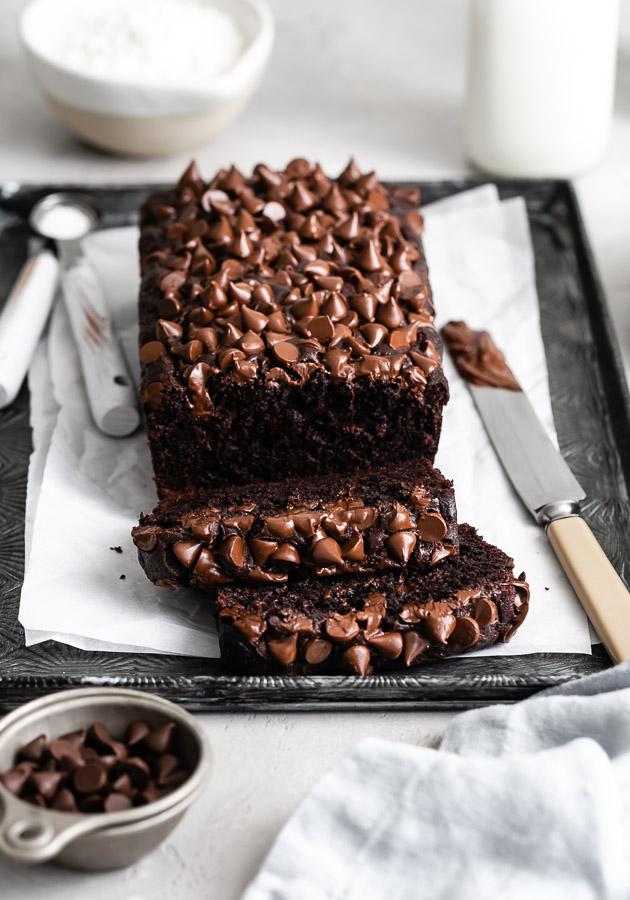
{"points": [[88, 495], [525, 801]]}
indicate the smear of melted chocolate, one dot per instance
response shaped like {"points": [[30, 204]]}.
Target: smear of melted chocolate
{"points": [[477, 358]]}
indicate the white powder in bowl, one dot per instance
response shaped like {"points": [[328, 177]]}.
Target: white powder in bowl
{"points": [[147, 42]]}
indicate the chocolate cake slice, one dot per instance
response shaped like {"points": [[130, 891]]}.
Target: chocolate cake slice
{"points": [[373, 520], [286, 327], [374, 622]]}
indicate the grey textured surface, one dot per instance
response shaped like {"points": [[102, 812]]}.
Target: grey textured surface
{"points": [[591, 412]]}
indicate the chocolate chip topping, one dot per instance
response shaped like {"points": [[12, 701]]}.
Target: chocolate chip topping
{"points": [[368, 623], [278, 271], [477, 358], [258, 544]]}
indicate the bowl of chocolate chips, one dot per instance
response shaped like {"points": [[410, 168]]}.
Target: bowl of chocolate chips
{"points": [[95, 778]]}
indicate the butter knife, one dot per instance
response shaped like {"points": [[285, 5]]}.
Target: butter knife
{"points": [[543, 481]]}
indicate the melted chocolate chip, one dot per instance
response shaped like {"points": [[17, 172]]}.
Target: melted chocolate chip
{"points": [[317, 651]]}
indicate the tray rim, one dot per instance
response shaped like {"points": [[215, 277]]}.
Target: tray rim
{"points": [[13, 686]]}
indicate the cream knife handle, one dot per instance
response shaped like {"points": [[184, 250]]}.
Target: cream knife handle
{"points": [[109, 386], [600, 590]]}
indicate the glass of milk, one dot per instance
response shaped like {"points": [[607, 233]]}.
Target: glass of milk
{"points": [[540, 85]]}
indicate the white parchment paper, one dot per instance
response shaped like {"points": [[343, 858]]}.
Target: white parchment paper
{"points": [[86, 491]]}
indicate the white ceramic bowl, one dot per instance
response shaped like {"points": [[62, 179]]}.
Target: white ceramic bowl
{"points": [[142, 120]]}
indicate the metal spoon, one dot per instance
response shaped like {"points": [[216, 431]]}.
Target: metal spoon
{"points": [[66, 218]]}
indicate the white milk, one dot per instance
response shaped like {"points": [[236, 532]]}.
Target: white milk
{"points": [[540, 84]]}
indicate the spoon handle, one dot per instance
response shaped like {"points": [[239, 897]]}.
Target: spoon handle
{"points": [[109, 386]]}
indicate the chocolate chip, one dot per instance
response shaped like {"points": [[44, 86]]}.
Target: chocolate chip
{"points": [[284, 650], [274, 211], [307, 522], [91, 804], [280, 526], [46, 783], [15, 779], [286, 555], [390, 314], [262, 550], [251, 344], [109, 760], [466, 631], [363, 517], [258, 576], [232, 550], [175, 779], [250, 625], [357, 659], [165, 330], [432, 527], [64, 801], [34, 750], [350, 228], [165, 766], [334, 307], [137, 769], [440, 552], [486, 612], [253, 320], [400, 520], [88, 753], [152, 351], [390, 645], [413, 646], [286, 352], [354, 550], [90, 778], [123, 784], [145, 537], [439, 628], [321, 327], [99, 737], [207, 569], [401, 545], [327, 552], [316, 651], [68, 755], [342, 628], [76, 738], [187, 552], [116, 802], [160, 740]]}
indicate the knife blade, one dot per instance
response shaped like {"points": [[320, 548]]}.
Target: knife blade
{"points": [[537, 470], [543, 481]]}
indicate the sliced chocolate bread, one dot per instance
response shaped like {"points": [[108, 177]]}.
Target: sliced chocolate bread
{"points": [[286, 326], [370, 521], [374, 622]]}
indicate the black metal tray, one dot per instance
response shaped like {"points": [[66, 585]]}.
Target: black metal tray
{"points": [[591, 409]]}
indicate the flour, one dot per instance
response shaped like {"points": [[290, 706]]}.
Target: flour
{"points": [[63, 222], [147, 42]]}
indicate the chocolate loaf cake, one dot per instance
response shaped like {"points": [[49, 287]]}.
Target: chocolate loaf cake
{"points": [[286, 327], [374, 622], [369, 521]]}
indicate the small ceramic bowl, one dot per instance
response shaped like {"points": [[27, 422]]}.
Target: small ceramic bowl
{"points": [[145, 120], [31, 835]]}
